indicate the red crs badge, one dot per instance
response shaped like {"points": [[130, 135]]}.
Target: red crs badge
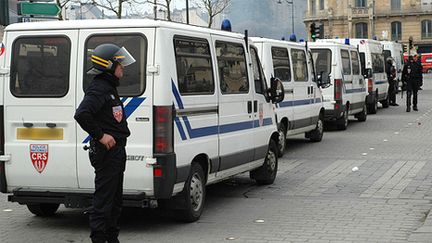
{"points": [[39, 156], [118, 113]]}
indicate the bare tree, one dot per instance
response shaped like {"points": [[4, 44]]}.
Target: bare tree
{"points": [[61, 4], [115, 6], [164, 4], [213, 8]]}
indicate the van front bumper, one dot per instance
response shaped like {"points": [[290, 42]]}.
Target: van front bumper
{"points": [[75, 198]]}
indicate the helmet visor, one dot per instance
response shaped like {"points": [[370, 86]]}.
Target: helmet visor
{"points": [[123, 57]]}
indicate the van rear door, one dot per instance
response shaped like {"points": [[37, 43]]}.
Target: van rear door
{"points": [[135, 91], [39, 103]]}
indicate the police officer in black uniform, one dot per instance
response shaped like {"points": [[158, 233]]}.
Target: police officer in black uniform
{"points": [[101, 114], [412, 76]]}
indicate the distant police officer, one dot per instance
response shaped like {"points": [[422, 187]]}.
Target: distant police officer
{"points": [[391, 76], [101, 114], [412, 76]]}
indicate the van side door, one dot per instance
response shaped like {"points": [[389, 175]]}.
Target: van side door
{"points": [[264, 119], [303, 101], [236, 110], [39, 101], [347, 76], [359, 88]]}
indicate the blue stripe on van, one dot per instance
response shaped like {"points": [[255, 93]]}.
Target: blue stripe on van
{"points": [[129, 109], [380, 82], [180, 128], [350, 91], [296, 102], [210, 130]]}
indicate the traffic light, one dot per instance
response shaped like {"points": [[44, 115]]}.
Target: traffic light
{"points": [[313, 31], [410, 41], [319, 32], [405, 48], [4, 12]]}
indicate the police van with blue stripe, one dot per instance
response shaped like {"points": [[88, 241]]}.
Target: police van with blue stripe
{"points": [[302, 110], [373, 69], [340, 64], [196, 100]]}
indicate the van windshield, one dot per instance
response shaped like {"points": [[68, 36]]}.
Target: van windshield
{"points": [[322, 59]]}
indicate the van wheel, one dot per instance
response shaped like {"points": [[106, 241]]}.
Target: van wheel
{"points": [[385, 103], [194, 193], [342, 123], [266, 174], [361, 117], [317, 134], [282, 140], [43, 209], [372, 108]]}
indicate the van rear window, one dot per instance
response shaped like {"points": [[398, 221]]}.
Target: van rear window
{"points": [[377, 63], [40, 66], [133, 83]]}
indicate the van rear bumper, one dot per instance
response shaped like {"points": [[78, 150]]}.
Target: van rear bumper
{"points": [[333, 115], [370, 98], [75, 198]]}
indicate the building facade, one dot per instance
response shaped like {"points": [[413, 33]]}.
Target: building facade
{"points": [[396, 20]]}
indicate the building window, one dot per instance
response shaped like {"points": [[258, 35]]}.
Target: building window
{"points": [[396, 31], [426, 29], [361, 30], [360, 3], [321, 5], [395, 5], [313, 7]]}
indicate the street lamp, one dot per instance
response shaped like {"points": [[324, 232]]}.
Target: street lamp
{"points": [[292, 12]]}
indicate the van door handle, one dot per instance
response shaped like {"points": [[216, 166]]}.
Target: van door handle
{"points": [[249, 104], [28, 124], [255, 106], [51, 125]]}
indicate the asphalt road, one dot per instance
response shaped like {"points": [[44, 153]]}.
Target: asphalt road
{"points": [[317, 197]]}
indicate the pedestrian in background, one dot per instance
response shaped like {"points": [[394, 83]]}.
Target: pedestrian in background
{"points": [[101, 114], [411, 76], [391, 77], [417, 58]]}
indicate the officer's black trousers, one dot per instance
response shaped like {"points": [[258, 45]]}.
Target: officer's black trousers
{"points": [[392, 91], [108, 196]]}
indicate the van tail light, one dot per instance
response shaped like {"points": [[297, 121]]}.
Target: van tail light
{"points": [[338, 92], [370, 85], [2, 143], [163, 142]]}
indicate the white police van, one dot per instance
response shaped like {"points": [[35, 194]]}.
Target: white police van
{"points": [[373, 69], [196, 100], [341, 65], [302, 109]]}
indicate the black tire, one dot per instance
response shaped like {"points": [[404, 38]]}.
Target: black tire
{"points": [[43, 209], [386, 103], [316, 135], [342, 123], [194, 193], [282, 140], [372, 108], [266, 174], [362, 116]]}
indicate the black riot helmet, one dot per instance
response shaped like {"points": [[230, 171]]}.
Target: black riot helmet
{"points": [[106, 57]]}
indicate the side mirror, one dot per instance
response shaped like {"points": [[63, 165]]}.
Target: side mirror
{"points": [[367, 73], [277, 92]]}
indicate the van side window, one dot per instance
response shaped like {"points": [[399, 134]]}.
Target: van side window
{"points": [[323, 61], [232, 68], [260, 84], [133, 83], [40, 66], [194, 66], [363, 62], [281, 64], [346, 62], [300, 69], [355, 63], [377, 63]]}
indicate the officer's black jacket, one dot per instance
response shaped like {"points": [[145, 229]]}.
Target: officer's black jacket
{"points": [[96, 113]]}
